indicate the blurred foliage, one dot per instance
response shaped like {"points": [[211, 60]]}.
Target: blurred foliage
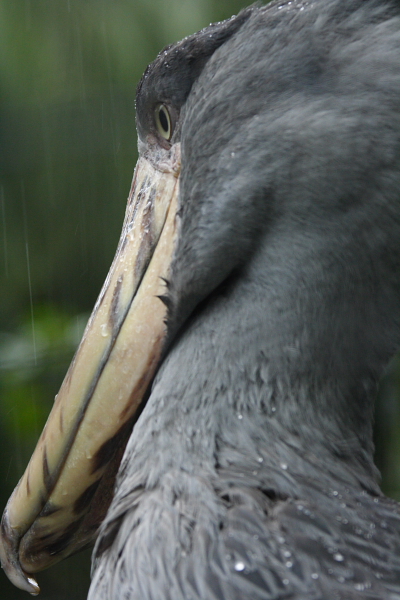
{"points": [[68, 73]]}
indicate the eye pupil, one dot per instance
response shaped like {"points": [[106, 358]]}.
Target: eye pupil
{"points": [[164, 120]]}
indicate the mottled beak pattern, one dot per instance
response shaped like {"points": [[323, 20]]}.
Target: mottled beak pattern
{"points": [[66, 489]]}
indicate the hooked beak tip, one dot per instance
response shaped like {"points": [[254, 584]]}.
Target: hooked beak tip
{"points": [[10, 561]]}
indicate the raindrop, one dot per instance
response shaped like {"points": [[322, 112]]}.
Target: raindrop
{"points": [[285, 581], [287, 553], [260, 459], [283, 466], [233, 154], [360, 587], [240, 417], [29, 273], [289, 564], [103, 329], [4, 230], [281, 539], [314, 575], [239, 566], [339, 557]]}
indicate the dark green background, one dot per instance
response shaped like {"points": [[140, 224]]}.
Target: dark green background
{"points": [[68, 73]]}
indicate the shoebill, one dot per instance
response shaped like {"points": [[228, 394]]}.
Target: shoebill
{"points": [[236, 346]]}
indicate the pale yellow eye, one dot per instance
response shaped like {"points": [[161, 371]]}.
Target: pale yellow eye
{"points": [[163, 122]]}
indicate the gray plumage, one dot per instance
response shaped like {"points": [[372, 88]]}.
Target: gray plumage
{"points": [[250, 473]]}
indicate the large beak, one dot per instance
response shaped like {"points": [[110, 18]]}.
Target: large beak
{"points": [[66, 489]]}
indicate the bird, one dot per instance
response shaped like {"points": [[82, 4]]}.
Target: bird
{"points": [[214, 431]]}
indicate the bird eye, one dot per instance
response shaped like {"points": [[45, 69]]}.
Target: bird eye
{"points": [[163, 122]]}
